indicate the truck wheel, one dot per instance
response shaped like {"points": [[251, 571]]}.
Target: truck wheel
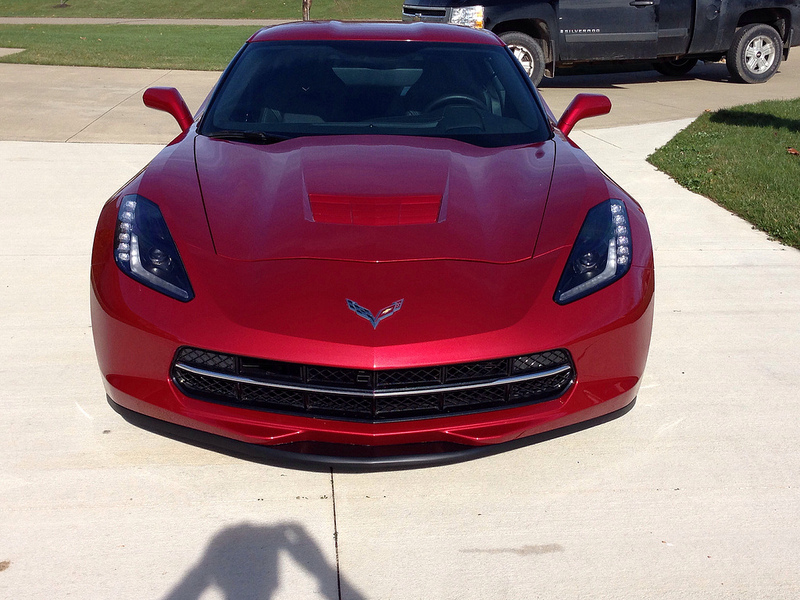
{"points": [[675, 68], [755, 53], [528, 52]]}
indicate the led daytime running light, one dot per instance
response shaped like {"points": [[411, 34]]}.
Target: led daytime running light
{"points": [[602, 253], [144, 249]]}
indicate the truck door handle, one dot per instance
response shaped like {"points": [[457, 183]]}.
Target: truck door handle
{"points": [[642, 3]]}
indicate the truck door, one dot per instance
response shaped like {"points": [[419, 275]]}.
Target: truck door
{"points": [[607, 29], [675, 18]]}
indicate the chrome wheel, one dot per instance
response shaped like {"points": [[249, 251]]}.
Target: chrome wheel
{"points": [[527, 51], [524, 57], [759, 54], [755, 53]]}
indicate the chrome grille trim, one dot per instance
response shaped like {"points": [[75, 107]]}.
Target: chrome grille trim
{"points": [[372, 395], [413, 391]]}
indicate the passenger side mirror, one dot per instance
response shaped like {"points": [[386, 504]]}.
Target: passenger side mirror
{"points": [[583, 106], [169, 100]]}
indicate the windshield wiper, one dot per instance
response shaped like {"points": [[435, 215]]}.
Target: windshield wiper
{"points": [[251, 137]]}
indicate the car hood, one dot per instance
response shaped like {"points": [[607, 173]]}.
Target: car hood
{"points": [[373, 198]]}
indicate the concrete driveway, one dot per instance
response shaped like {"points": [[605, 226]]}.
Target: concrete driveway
{"points": [[692, 494]]}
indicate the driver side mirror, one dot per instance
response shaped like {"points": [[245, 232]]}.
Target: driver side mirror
{"points": [[583, 106], [169, 100]]}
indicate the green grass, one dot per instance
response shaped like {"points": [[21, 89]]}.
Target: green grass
{"points": [[144, 46], [167, 47], [739, 158], [203, 9]]}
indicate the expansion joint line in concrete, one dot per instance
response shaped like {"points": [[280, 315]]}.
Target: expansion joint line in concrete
{"points": [[138, 92], [599, 139], [336, 539]]}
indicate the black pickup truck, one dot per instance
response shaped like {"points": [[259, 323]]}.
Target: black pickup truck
{"points": [[753, 36]]}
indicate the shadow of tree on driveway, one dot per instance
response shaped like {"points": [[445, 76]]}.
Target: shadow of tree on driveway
{"points": [[744, 118]]}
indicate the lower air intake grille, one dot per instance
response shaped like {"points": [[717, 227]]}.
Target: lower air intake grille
{"points": [[372, 395]]}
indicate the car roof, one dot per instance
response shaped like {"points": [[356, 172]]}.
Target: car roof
{"points": [[412, 32]]}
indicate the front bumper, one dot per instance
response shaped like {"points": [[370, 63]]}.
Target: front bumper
{"points": [[607, 334]]}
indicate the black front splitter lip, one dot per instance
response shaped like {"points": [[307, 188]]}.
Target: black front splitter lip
{"points": [[342, 457]]}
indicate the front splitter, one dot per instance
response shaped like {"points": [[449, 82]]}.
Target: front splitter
{"points": [[315, 456]]}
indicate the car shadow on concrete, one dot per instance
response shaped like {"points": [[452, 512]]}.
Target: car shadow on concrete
{"points": [[621, 75], [242, 562]]}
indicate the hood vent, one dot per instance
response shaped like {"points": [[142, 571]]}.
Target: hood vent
{"points": [[375, 211]]}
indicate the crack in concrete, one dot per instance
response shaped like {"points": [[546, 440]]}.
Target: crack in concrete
{"points": [[336, 538], [523, 551]]}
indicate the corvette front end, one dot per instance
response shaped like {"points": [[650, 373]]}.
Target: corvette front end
{"points": [[372, 294]]}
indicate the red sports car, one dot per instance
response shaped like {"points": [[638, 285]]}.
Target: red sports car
{"points": [[373, 243]]}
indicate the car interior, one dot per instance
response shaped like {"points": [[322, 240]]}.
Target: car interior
{"points": [[305, 88]]}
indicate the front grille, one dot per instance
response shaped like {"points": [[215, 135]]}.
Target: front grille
{"points": [[424, 13], [372, 395]]}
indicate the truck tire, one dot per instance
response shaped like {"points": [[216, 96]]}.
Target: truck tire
{"points": [[528, 52], [755, 53], [675, 68]]}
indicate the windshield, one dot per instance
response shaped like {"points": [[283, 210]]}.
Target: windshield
{"points": [[473, 93]]}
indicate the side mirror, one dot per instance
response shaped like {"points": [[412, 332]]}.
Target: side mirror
{"points": [[583, 106], [169, 100]]}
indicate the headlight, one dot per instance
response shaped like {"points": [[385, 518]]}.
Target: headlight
{"points": [[601, 254], [468, 16], [144, 250]]}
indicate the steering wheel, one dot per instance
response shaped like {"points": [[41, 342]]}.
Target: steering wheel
{"points": [[455, 99]]}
